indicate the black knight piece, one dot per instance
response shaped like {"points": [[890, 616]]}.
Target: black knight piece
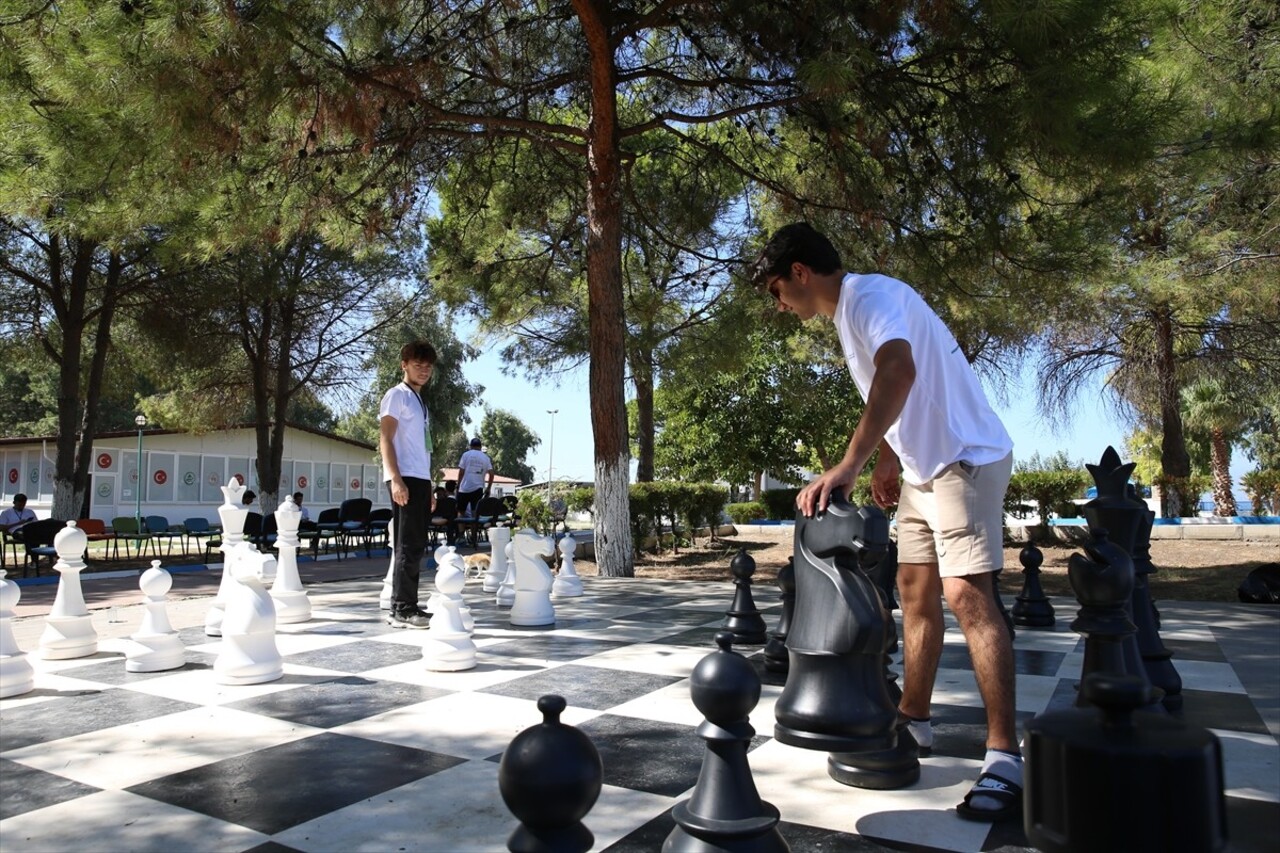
{"points": [[1114, 780], [836, 699], [884, 574], [775, 651], [743, 619], [1032, 609], [550, 776], [725, 812]]}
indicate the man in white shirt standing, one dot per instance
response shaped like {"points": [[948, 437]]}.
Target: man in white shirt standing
{"points": [[927, 415], [475, 478], [404, 439]]}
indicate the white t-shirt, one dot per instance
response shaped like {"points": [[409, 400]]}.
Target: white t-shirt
{"points": [[946, 418], [410, 441], [472, 467], [12, 516]]}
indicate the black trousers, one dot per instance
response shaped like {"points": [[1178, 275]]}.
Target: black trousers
{"points": [[410, 522], [469, 499]]}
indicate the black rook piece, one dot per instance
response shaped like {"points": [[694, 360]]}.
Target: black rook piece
{"points": [[775, 651], [1116, 780], [550, 777], [725, 812], [1123, 517], [1032, 608], [743, 619], [836, 699]]}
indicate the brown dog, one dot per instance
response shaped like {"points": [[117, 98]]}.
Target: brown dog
{"points": [[477, 563]]}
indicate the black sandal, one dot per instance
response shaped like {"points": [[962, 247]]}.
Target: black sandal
{"points": [[1006, 792]]}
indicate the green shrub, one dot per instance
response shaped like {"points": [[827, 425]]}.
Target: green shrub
{"points": [[1263, 488], [744, 513], [581, 499], [1189, 489], [1051, 490], [533, 510], [781, 503]]}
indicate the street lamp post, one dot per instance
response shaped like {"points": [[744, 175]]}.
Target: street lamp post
{"points": [[551, 452], [141, 421]]}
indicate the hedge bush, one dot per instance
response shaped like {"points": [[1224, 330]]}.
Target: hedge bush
{"points": [[1188, 488], [780, 503], [1051, 490], [1263, 488], [743, 513]]}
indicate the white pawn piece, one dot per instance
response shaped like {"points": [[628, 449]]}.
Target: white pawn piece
{"points": [[248, 654], [499, 539], [16, 675], [506, 595], [449, 647], [567, 583], [233, 514], [292, 603], [454, 560], [156, 647], [532, 607], [68, 629], [384, 600]]}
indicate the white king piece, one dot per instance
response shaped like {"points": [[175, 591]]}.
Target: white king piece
{"points": [[233, 514]]}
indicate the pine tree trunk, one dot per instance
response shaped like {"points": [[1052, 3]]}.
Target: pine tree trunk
{"points": [[607, 343], [1224, 502], [642, 373], [1174, 459]]}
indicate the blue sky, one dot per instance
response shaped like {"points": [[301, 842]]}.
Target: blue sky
{"points": [[1091, 428]]}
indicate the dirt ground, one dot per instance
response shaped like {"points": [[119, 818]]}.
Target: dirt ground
{"points": [[1186, 571]]}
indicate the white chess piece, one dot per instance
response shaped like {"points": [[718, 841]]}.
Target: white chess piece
{"points": [[439, 556], [506, 594], [68, 630], [499, 539], [384, 600], [567, 583], [448, 647], [248, 654], [532, 606], [455, 561], [290, 597], [156, 647], [16, 675], [233, 514]]}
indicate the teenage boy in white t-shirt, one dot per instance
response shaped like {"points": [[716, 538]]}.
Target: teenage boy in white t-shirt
{"points": [[404, 439], [927, 415]]}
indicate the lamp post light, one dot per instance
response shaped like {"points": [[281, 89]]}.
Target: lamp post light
{"points": [[141, 421], [551, 452]]}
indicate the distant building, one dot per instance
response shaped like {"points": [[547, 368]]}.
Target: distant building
{"points": [[502, 486], [182, 472]]}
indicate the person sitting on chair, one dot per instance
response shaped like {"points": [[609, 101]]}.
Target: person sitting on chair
{"points": [[12, 520]]}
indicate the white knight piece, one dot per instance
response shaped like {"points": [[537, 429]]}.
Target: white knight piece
{"points": [[248, 654], [532, 605]]}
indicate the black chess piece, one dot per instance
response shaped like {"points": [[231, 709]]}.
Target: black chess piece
{"points": [[882, 769], [743, 619], [550, 776], [884, 574], [775, 651], [1103, 583], [725, 812], [1112, 780], [1032, 609], [1155, 657], [1113, 511], [836, 699]]}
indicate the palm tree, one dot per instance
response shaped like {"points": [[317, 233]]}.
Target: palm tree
{"points": [[1208, 407]]}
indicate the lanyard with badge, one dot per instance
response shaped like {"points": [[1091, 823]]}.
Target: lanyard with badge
{"points": [[426, 427]]}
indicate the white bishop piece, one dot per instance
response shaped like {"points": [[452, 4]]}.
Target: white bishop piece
{"points": [[499, 539], [292, 604], [449, 647], [156, 647], [68, 629], [567, 583], [233, 514], [16, 675]]}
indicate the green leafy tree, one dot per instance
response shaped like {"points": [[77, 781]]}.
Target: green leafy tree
{"points": [[1211, 408], [508, 440]]}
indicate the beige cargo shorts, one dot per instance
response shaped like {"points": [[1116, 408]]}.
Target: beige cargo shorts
{"points": [[956, 519]]}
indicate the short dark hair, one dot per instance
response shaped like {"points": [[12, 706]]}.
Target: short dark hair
{"points": [[418, 351], [19, 498], [297, 496], [797, 242]]}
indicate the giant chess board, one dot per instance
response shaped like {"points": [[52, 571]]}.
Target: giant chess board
{"points": [[359, 747]]}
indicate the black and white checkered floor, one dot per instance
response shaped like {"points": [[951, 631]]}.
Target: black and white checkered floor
{"points": [[359, 747]]}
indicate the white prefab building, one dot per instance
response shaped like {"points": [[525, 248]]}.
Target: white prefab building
{"points": [[182, 472]]}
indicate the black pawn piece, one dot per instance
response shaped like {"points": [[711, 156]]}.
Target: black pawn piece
{"points": [[743, 619], [725, 812], [1114, 780], [836, 699], [550, 777], [775, 651], [1032, 609]]}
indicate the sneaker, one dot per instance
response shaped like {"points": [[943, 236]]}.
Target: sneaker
{"points": [[408, 619]]}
